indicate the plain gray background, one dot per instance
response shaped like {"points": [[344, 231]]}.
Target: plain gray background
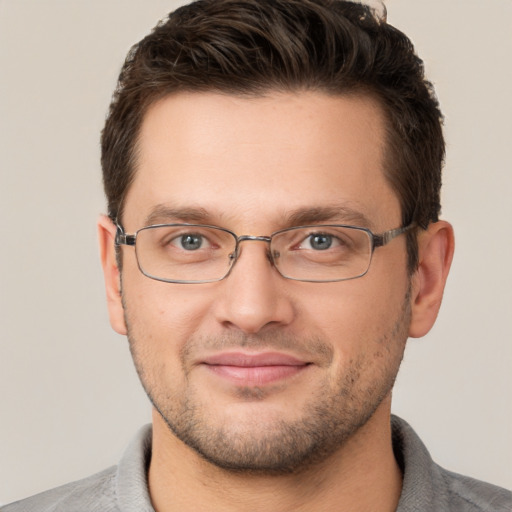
{"points": [[69, 397]]}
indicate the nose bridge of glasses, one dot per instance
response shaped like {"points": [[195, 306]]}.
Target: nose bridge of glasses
{"points": [[253, 238], [249, 238]]}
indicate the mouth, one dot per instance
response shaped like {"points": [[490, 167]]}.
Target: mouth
{"points": [[245, 369]]}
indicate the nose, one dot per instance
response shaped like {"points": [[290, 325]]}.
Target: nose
{"points": [[254, 295]]}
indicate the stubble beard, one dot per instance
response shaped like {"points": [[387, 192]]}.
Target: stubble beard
{"points": [[332, 415]]}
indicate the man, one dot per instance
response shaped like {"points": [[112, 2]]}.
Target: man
{"points": [[272, 170]]}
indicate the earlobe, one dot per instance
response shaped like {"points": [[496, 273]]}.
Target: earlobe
{"points": [[435, 249], [111, 274]]}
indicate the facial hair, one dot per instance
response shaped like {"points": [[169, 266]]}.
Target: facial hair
{"points": [[334, 411]]}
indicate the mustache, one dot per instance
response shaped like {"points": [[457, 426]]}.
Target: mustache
{"points": [[307, 348]]}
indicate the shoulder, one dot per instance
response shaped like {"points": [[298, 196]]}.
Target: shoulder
{"points": [[468, 495], [427, 487], [119, 488], [95, 493]]}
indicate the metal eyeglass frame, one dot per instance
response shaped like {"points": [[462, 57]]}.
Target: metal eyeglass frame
{"points": [[376, 240]]}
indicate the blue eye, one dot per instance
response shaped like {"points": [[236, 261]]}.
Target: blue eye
{"points": [[320, 241], [191, 242]]}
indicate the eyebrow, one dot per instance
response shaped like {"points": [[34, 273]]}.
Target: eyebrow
{"points": [[335, 213], [303, 216], [163, 213]]}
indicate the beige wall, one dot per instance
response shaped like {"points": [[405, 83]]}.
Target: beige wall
{"points": [[69, 398]]}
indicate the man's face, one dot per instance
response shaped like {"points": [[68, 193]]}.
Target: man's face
{"points": [[257, 372]]}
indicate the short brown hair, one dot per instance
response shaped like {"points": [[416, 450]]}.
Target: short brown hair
{"points": [[251, 47]]}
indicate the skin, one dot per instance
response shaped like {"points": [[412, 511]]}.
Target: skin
{"points": [[247, 165]]}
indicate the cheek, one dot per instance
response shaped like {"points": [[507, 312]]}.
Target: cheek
{"points": [[161, 319], [161, 315], [349, 305], [354, 315]]}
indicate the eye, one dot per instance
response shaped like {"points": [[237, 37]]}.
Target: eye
{"points": [[190, 242], [320, 242]]}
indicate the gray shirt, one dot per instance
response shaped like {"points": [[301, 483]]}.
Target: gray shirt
{"points": [[123, 488]]}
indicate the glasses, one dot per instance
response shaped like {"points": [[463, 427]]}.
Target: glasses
{"points": [[195, 253]]}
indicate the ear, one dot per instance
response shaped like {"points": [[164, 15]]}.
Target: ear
{"points": [[112, 276], [435, 253]]}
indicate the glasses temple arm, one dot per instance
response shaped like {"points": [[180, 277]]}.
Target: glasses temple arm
{"points": [[385, 238], [122, 238]]}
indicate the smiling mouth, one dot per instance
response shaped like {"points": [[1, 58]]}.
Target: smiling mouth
{"points": [[254, 369]]}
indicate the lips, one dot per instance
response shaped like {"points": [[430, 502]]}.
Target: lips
{"points": [[254, 369]]}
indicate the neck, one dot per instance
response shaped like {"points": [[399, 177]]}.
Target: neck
{"points": [[362, 475]]}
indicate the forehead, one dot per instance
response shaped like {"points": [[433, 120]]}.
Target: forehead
{"points": [[255, 160]]}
